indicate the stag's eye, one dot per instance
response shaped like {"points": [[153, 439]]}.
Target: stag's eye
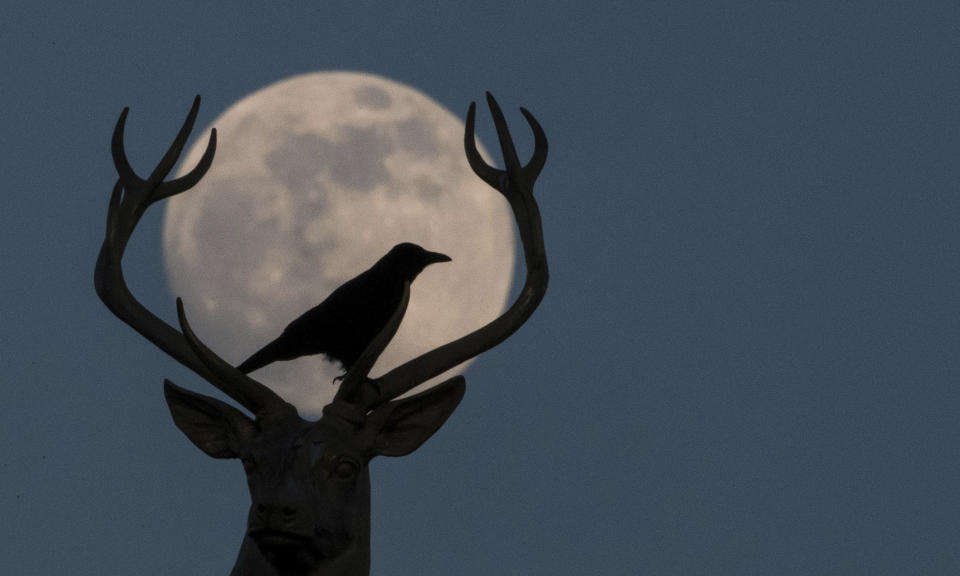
{"points": [[346, 468], [248, 465]]}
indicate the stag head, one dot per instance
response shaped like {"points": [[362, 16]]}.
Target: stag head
{"points": [[309, 480]]}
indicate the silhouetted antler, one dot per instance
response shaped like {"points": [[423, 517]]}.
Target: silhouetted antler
{"points": [[131, 197], [515, 182]]}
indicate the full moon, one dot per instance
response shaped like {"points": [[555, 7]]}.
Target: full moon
{"points": [[315, 178]]}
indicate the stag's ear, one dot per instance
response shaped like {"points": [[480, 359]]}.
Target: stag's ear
{"points": [[213, 426], [405, 424]]}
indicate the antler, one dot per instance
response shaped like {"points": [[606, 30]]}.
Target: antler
{"points": [[131, 197], [515, 182]]}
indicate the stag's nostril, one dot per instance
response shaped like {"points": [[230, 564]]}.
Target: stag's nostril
{"points": [[261, 509], [289, 511]]}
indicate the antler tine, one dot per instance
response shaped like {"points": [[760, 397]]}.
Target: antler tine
{"points": [[520, 195], [519, 174], [252, 395], [186, 181], [127, 175], [173, 152], [135, 194], [510, 160], [516, 184], [158, 189], [350, 388], [487, 173], [540, 146]]}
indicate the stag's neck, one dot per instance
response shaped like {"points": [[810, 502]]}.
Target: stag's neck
{"points": [[251, 562]]}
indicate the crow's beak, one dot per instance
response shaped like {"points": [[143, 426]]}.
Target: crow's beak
{"points": [[434, 257]]}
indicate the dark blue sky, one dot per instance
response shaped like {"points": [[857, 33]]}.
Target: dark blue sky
{"points": [[747, 361]]}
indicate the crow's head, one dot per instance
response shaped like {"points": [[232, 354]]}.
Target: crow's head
{"points": [[409, 260]]}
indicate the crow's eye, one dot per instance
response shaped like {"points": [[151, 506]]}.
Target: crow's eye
{"points": [[346, 469], [248, 465]]}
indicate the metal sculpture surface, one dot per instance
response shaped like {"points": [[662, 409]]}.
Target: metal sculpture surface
{"points": [[309, 481]]}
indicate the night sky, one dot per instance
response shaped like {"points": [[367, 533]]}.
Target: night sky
{"points": [[746, 362]]}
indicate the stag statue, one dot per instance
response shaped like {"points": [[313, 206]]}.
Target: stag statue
{"points": [[309, 481]]}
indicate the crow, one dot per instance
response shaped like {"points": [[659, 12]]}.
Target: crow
{"points": [[344, 324]]}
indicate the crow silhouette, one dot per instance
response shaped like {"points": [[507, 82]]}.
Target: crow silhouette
{"points": [[341, 326]]}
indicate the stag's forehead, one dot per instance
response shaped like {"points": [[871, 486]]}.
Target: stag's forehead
{"points": [[323, 432], [278, 435], [282, 444], [319, 441]]}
